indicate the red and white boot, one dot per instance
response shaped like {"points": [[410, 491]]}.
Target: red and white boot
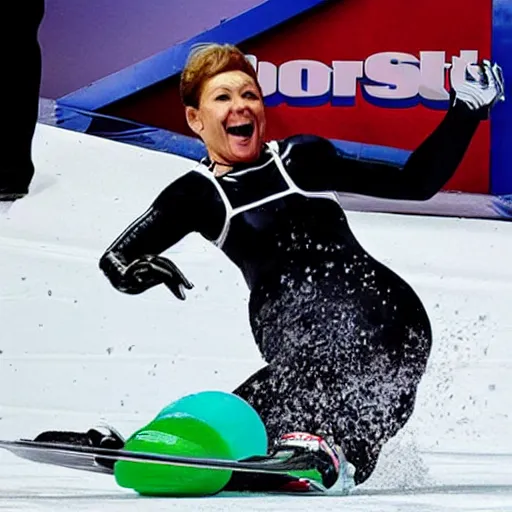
{"points": [[328, 465]]}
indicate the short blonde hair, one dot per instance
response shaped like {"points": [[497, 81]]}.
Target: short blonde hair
{"points": [[206, 61]]}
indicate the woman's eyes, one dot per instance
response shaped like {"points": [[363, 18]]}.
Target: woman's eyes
{"points": [[248, 94]]}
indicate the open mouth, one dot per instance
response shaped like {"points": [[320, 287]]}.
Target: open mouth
{"points": [[241, 130]]}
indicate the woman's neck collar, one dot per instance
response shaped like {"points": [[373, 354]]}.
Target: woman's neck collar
{"points": [[220, 169]]}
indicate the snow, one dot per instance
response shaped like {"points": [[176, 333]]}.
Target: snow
{"points": [[73, 351]]}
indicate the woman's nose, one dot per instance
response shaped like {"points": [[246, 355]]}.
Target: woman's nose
{"points": [[239, 104]]}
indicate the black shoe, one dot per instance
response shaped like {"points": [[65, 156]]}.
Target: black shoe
{"points": [[14, 184], [99, 437], [106, 436], [64, 437]]}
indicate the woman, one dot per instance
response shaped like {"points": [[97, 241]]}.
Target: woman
{"points": [[345, 339]]}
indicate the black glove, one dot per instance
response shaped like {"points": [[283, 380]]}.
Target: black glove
{"points": [[483, 88], [150, 270]]}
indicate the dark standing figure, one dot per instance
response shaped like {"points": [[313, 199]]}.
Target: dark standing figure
{"points": [[21, 80]]}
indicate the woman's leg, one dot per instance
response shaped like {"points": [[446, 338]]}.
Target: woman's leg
{"points": [[358, 412], [353, 385]]}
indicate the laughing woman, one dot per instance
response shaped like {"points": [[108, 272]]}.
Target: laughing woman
{"points": [[345, 339]]}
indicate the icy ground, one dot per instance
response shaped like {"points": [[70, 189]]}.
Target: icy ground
{"points": [[74, 351]]}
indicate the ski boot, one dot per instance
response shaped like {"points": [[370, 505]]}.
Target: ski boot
{"points": [[328, 465], [102, 436]]}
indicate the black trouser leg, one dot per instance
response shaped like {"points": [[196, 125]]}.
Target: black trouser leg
{"points": [[20, 94], [359, 411]]}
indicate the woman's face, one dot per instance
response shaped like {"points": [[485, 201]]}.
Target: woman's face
{"points": [[230, 118]]}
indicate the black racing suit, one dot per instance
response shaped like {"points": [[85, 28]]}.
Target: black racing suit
{"points": [[346, 340]]}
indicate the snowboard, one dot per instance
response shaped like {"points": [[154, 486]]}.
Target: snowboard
{"points": [[255, 474]]}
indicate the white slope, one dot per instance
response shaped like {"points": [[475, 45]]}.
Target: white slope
{"points": [[75, 351]]}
